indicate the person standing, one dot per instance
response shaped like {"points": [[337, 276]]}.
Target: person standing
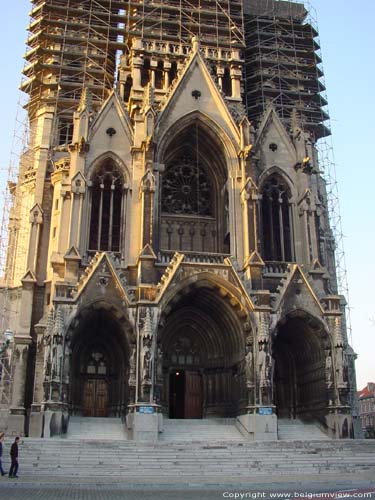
{"points": [[1, 453], [14, 458]]}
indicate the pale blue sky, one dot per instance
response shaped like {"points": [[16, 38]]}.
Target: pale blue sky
{"points": [[348, 44]]}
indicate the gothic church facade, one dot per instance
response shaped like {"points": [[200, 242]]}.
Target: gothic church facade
{"points": [[170, 253]]}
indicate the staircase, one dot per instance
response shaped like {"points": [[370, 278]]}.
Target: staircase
{"points": [[205, 430], [218, 462], [96, 428], [297, 430]]}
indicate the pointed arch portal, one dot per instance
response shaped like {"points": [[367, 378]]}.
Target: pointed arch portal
{"points": [[99, 366], [299, 351], [203, 348]]}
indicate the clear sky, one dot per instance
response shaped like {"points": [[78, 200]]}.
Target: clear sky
{"points": [[347, 38]]}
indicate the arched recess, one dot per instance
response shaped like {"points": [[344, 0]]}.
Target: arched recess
{"points": [[193, 196], [300, 347], [108, 191], [99, 367], [276, 217], [201, 337]]}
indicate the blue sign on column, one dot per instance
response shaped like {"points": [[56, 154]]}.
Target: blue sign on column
{"points": [[146, 409], [265, 411]]}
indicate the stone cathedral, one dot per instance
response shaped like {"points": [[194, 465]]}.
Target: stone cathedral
{"points": [[170, 254]]}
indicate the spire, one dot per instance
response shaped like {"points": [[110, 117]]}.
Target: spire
{"points": [[59, 323], [147, 327], [50, 321], [85, 104], [195, 43]]}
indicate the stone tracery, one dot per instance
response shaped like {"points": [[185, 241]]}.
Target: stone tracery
{"points": [[186, 188]]}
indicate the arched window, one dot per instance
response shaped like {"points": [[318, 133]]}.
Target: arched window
{"points": [[276, 220], [159, 75], [173, 72], [145, 73], [106, 207], [186, 188], [227, 85], [192, 193]]}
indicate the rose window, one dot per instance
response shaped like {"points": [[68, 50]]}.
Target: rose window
{"points": [[186, 189]]}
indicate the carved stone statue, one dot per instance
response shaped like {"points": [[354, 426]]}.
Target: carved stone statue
{"points": [[340, 366], [159, 366], [47, 355], [132, 366], [68, 353], [57, 356], [329, 369], [249, 366], [147, 364], [263, 366]]}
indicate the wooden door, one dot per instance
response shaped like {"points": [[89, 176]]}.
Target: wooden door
{"points": [[95, 398], [89, 398], [101, 398], [193, 395]]}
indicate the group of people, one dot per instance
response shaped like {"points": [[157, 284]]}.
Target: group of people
{"points": [[13, 456]]}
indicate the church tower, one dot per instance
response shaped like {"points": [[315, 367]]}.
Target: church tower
{"points": [[170, 253]]}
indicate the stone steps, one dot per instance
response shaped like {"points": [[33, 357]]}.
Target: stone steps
{"points": [[88, 458], [296, 430], [201, 430], [96, 428]]}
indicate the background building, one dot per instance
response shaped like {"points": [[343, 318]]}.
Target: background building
{"points": [[169, 240], [366, 406]]}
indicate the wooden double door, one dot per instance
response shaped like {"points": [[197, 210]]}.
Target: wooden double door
{"points": [[95, 397], [185, 394]]}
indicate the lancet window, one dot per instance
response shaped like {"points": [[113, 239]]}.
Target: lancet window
{"points": [[106, 208], [276, 220]]}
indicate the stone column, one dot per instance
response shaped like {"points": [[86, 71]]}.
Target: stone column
{"points": [[16, 420], [235, 75], [144, 419], [36, 220], [148, 187], [78, 192], [36, 415], [22, 341], [266, 421]]}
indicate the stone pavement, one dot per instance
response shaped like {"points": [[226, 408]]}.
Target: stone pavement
{"points": [[89, 489]]}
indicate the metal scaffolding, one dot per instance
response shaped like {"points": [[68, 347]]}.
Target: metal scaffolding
{"points": [[283, 68], [74, 44]]}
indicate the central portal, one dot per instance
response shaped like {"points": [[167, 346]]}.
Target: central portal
{"points": [[203, 351], [185, 394]]}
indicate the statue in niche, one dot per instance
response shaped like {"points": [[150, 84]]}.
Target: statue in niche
{"points": [[263, 368], [132, 365], [269, 369], [47, 355], [340, 366], [159, 365], [249, 365], [68, 353], [329, 369], [57, 356], [147, 364]]}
